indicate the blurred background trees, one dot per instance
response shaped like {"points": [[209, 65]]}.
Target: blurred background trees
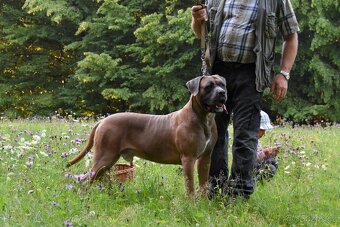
{"points": [[94, 57]]}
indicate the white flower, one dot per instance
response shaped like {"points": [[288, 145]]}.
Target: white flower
{"points": [[73, 151], [34, 142], [287, 167], [92, 213], [87, 163], [7, 147], [24, 147], [36, 138]]}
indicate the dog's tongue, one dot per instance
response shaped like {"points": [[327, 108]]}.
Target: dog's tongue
{"points": [[222, 107], [225, 109]]}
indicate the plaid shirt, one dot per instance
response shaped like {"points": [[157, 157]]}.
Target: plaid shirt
{"points": [[237, 36]]}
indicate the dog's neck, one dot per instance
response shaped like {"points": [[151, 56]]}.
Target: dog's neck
{"points": [[199, 109]]}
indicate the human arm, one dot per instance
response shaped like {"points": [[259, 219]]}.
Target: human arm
{"points": [[289, 51]]}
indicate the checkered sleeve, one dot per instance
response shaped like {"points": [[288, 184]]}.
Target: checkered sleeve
{"points": [[287, 21]]}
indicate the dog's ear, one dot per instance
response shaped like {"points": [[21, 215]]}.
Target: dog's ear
{"points": [[194, 85]]}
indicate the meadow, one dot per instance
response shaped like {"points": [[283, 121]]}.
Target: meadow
{"points": [[36, 189]]}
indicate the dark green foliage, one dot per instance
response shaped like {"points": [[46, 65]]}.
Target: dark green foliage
{"points": [[97, 57], [314, 90]]}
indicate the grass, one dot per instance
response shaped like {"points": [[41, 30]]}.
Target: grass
{"points": [[37, 190]]}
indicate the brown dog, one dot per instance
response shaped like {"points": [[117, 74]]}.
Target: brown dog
{"points": [[181, 137]]}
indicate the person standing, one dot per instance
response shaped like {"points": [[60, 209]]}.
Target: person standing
{"points": [[241, 43]]}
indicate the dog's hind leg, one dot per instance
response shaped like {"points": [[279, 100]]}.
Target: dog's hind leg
{"points": [[103, 164]]}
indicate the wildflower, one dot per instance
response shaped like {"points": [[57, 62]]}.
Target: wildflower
{"points": [[78, 141], [54, 203], [47, 147], [80, 177], [29, 164], [92, 173], [68, 223], [30, 158], [308, 164], [36, 138], [69, 186], [64, 154], [92, 213], [100, 186], [278, 144], [316, 152], [68, 175], [73, 151]]}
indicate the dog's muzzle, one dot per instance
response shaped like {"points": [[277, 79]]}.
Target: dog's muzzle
{"points": [[218, 104]]}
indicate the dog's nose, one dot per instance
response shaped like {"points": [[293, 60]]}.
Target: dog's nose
{"points": [[222, 93]]}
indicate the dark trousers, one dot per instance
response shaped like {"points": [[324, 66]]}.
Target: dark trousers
{"points": [[243, 104]]}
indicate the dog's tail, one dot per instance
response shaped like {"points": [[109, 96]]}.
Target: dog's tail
{"points": [[86, 149]]}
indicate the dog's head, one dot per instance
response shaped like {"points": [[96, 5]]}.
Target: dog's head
{"points": [[211, 92]]}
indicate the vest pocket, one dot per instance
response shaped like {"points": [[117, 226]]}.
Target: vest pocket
{"points": [[271, 25], [212, 14]]}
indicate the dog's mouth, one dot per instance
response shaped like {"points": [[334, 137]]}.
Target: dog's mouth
{"points": [[216, 108]]}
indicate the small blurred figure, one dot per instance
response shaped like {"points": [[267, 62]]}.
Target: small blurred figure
{"points": [[266, 164]]}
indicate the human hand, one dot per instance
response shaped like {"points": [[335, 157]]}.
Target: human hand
{"points": [[279, 87], [198, 13]]}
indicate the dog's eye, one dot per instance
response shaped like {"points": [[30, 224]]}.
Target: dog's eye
{"points": [[209, 87], [221, 84]]}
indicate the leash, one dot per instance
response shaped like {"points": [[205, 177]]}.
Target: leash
{"points": [[204, 39]]}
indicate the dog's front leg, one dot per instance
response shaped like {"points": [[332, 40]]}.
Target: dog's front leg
{"points": [[188, 164], [203, 166]]}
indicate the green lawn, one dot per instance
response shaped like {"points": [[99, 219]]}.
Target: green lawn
{"points": [[37, 190]]}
